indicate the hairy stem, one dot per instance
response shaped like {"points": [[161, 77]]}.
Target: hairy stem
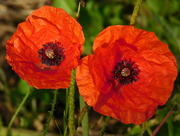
{"points": [[71, 104], [135, 12], [83, 116], [105, 124], [51, 112]]}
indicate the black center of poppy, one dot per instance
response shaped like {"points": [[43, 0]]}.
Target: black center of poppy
{"points": [[51, 54], [126, 72]]}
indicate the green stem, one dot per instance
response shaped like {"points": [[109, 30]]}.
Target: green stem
{"points": [[83, 116], [170, 126], [84, 109], [143, 128], [105, 124], [16, 113], [148, 128], [71, 104], [65, 117], [78, 11], [135, 12], [1, 124], [51, 112]]}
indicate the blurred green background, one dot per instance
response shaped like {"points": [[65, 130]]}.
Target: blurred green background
{"points": [[160, 16]]}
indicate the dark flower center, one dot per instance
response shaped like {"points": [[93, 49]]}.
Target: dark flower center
{"points": [[51, 54], [126, 72]]}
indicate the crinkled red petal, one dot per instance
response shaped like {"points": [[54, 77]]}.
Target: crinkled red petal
{"points": [[45, 25], [135, 102]]}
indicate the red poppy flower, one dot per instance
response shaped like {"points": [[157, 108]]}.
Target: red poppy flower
{"points": [[129, 75], [45, 48]]}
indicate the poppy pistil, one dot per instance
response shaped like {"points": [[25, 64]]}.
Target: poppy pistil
{"points": [[126, 72]]}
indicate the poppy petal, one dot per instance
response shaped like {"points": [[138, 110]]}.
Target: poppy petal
{"points": [[45, 48], [129, 75]]}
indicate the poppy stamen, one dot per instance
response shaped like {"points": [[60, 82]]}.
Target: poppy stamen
{"points": [[51, 54], [126, 72]]}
